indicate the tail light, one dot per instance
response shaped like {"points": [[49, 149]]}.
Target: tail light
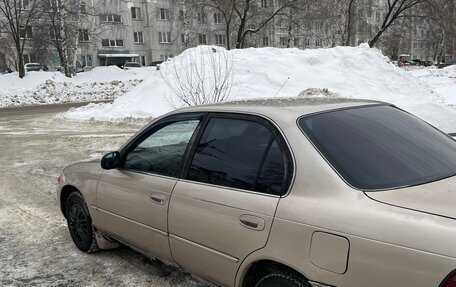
{"points": [[450, 281]]}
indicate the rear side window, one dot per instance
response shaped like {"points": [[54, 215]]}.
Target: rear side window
{"points": [[381, 147], [240, 154], [272, 174]]}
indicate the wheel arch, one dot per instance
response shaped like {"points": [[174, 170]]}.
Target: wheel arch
{"points": [[260, 268], [65, 193]]}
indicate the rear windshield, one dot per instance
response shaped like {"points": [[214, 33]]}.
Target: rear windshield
{"points": [[132, 65], [381, 147]]}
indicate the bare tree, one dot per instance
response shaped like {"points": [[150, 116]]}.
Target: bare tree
{"points": [[396, 9], [245, 17], [247, 14], [60, 28], [200, 76], [17, 17], [226, 10], [442, 14], [351, 7]]}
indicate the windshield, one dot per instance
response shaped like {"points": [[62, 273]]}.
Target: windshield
{"points": [[381, 147]]}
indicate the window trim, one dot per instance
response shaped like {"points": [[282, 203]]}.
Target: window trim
{"points": [[151, 129], [287, 154]]}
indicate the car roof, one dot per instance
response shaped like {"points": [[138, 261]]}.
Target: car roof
{"points": [[276, 107]]}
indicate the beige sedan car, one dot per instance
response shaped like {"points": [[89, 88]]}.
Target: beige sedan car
{"points": [[289, 192]]}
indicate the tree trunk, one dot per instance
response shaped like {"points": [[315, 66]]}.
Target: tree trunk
{"points": [[20, 55], [349, 23], [376, 37], [241, 34]]}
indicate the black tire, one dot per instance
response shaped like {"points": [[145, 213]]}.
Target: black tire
{"points": [[280, 279], [80, 223]]}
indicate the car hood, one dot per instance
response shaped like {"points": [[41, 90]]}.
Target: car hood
{"points": [[437, 198]]}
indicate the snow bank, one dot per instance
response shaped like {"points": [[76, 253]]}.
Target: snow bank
{"points": [[101, 83], [358, 72]]}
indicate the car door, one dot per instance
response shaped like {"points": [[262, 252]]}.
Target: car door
{"points": [[224, 208], [133, 200]]}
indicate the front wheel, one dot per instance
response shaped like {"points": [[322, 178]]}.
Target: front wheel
{"points": [[280, 279], [80, 223]]}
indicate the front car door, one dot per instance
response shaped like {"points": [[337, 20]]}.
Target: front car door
{"points": [[224, 208], [133, 200]]}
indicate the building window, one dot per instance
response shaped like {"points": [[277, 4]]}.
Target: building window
{"points": [[283, 41], [54, 4], [218, 18], [24, 4], [318, 26], [163, 14], [265, 41], [202, 39], [111, 43], [181, 15], [143, 60], [52, 34], [307, 42], [82, 8], [201, 17], [264, 3], [415, 45], [318, 42], [220, 39], [110, 18], [87, 60], [83, 35], [164, 37], [138, 37], [183, 42], [296, 42], [136, 13], [29, 58], [26, 32]]}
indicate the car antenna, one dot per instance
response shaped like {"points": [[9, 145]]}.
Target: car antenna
{"points": [[281, 86]]}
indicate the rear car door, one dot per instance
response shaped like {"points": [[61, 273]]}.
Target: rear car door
{"points": [[133, 200], [224, 207]]}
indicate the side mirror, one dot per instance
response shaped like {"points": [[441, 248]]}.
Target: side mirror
{"points": [[110, 160]]}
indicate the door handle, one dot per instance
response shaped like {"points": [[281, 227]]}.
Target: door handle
{"points": [[252, 222], [158, 198]]}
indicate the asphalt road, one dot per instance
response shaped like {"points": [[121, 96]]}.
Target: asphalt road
{"points": [[35, 247]]}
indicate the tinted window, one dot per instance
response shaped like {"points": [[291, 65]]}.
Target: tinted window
{"points": [[272, 173], [230, 153], [162, 151], [381, 147]]}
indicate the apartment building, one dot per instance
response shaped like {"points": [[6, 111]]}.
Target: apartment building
{"points": [[112, 32]]}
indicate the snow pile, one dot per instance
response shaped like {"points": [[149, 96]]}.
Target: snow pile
{"points": [[102, 83], [441, 81], [358, 72]]}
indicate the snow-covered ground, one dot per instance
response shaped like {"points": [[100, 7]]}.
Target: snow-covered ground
{"points": [[353, 72], [104, 83]]}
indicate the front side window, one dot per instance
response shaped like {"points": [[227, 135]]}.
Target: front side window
{"points": [[240, 154], [162, 151], [381, 147]]}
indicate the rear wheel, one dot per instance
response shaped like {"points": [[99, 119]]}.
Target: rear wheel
{"points": [[80, 223], [280, 279]]}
